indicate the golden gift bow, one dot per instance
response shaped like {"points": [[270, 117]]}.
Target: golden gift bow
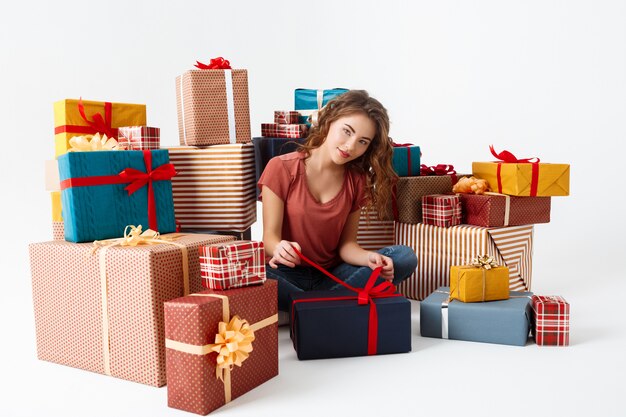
{"points": [[131, 238], [89, 143], [230, 351], [484, 262]]}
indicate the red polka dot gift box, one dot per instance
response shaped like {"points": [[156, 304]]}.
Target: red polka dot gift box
{"points": [[220, 345], [102, 310]]}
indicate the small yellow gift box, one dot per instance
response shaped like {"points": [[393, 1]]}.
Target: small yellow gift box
{"points": [[483, 280], [84, 117], [523, 177]]}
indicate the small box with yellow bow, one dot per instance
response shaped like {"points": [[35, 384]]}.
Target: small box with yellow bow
{"points": [[482, 280], [220, 345]]}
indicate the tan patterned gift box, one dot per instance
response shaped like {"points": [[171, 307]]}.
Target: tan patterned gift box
{"points": [[103, 311], [439, 248], [410, 191], [213, 107], [215, 187], [376, 233], [220, 345]]}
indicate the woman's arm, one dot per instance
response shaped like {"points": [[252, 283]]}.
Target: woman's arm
{"points": [[350, 251], [280, 250]]}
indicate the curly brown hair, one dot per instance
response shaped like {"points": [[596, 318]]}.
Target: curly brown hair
{"points": [[375, 163]]}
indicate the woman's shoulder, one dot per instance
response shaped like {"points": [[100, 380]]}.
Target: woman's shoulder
{"points": [[289, 162]]}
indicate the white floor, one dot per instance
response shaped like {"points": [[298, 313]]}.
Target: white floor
{"points": [[437, 377]]}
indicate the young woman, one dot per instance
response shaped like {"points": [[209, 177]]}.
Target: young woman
{"points": [[312, 200]]}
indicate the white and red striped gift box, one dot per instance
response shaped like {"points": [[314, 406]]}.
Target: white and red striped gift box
{"points": [[232, 265], [375, 234], [551, 320], [441, 210], [140, 138], [286, 117], [289, 131]]}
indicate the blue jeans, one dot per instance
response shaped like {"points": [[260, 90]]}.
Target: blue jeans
{"points": [[306, 278]]}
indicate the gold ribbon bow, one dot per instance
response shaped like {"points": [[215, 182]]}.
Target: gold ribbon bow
{"points": [[133, 236], [485, 261], [233, 344], [89, 143]]}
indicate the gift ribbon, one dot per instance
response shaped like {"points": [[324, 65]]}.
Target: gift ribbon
{"points": [[219, 64], [408, 154], [133, 238], [135, 179], [507, 206], [439, 169], [233, 342], [508, 158], [484, 263], [364, 296], [98, 124]]}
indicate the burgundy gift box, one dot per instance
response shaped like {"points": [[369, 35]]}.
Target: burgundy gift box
{"points": [[551, 320], [140, 138], [290, 131], [286, 117], [232, 265], [441, 210], [495, 210]]}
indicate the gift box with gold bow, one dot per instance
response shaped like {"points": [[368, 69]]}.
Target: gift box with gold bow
{"points": [[482, 280], [212, 104], [102, 311], [232, 265], [523, 177], [220, 345], [86, 117]]}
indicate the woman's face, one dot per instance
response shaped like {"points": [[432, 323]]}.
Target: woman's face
{"points": [[349, 137]]}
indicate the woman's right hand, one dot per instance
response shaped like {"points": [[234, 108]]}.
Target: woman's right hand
{"points": [[285, 255]]}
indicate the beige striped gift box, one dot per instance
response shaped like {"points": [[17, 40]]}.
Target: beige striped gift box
{"points": [[438, 248], [215, 187], [376, 234]]}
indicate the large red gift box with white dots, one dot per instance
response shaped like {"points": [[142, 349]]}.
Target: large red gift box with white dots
{"points": [[81, 321]]}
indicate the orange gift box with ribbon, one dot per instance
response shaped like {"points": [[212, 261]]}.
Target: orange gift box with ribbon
{"points": [[482, 280], [85, 117], [100, 308], [523, 177], [220, 345]]}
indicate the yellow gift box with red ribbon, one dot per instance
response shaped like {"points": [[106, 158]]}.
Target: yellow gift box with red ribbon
{"points": [[85, 117], [523, 177], [482, 280]]}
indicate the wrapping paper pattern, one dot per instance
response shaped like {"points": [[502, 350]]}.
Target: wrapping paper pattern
{"points": [[376, 234], [286, 117], [191, 382], [139, 138], [68, 305], [410, 191], [202, 104], [233, 265], [516, 179], [289, 131], [489, 210], [215, 187], [441, 210], [58, 231], [439, 248], [550, 320], [66, 114]]}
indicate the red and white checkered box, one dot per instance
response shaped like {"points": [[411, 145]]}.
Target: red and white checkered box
{"points": [[275, 130], [140, 138], [232, 265], [551, 320], [286, 117], [443, 210]]}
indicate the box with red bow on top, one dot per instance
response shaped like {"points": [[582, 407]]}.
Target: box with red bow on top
{"points": [[232, 265], [550, 320]]}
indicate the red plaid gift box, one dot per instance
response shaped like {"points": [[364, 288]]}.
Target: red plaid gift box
{"points": [[233, 265], [442, 210], [286, 117], [289, 131], [140, 138], [551, 320]]}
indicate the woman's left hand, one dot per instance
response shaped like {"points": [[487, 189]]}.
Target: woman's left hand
{"points": [[375, 260]]}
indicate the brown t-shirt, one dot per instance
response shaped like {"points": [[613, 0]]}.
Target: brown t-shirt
{"points": [[316, 227]]}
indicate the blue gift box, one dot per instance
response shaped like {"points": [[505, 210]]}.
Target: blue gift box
{"points": [[307, 100], [505, 322], [95, 212], [406, 160], [330, 328]]}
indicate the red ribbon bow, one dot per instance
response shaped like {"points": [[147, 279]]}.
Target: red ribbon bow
{"points": [[364, 296], [137, 180], [508, 158], [216, 63], [99, 124], [439, 169]]}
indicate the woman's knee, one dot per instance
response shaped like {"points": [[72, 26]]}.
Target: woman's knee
{"points": [[404, 258]]}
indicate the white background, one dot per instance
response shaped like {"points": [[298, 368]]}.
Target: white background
{"points": [[539, 78]]}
